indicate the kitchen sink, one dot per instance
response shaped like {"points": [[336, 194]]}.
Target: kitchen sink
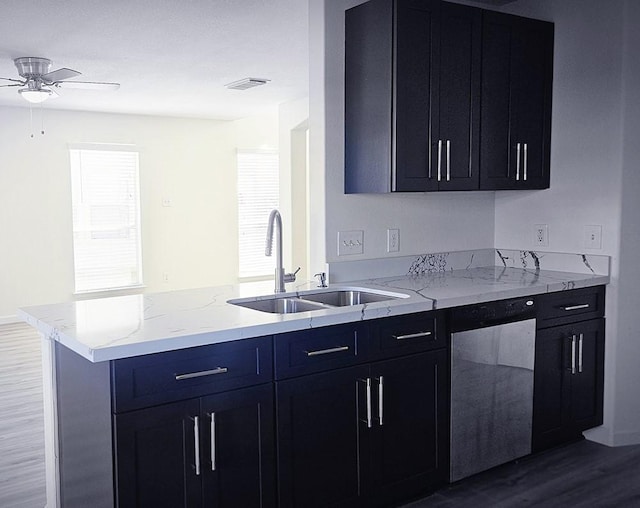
{"points": [[287, 305], [315, 300], [347, 297]]}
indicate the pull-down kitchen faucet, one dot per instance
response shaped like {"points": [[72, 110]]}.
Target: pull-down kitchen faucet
{"points": [[281, 277]]}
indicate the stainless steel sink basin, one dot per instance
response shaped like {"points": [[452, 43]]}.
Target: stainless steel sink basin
{"points": [[314, 300], [287, 305], [347, 297]]}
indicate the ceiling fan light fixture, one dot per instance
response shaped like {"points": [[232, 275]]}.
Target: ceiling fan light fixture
{"points": [[35, 96], [245, 83]]}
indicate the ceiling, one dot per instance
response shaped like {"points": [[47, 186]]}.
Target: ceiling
{"points": [[172, 58]]}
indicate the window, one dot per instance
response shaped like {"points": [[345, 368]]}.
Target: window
{"points": [[258, 194], [106, 219]]}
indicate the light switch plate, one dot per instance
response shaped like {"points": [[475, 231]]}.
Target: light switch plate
{"points": [[350, 242], [593, 237]]}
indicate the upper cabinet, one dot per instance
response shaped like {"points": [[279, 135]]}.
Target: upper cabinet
{"points": [[441, 96], [517, 71]]}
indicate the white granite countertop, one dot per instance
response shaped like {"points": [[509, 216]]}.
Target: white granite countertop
{"points": [[118, 327]]}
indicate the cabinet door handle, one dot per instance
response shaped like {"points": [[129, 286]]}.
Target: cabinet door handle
{"points": [[439, 159], [580, 341], [517, 162], [573, 354], [412, 335], [448, 160], [380, 399], [196, 442], [524, 169], [368, 402], [202, 373], [576, 307], [213, 441], [327, 351]]}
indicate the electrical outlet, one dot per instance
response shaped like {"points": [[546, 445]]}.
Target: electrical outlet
{"points": [[593, 237], [393, 240], [166, 202], [165, 277], [350, 242], [541, 235]]}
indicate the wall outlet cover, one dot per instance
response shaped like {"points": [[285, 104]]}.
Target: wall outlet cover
{"points": [[393, 240], [541, 235]]}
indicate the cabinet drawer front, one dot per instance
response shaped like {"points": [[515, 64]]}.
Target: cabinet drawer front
{"points": [[569, 306], [164, 377], [326, 348], [408, 334]]}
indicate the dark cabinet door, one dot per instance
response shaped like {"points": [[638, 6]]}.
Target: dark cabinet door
{"points": [[409, 434], [155, 456], [237, 448], [456, 126], [569, 382], [517, 74], [417, 41], [322, 419]]}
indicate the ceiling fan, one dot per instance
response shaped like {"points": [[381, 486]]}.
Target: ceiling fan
{"points": [[39, 81]]}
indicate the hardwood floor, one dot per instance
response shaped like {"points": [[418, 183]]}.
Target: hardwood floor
{"points": [[578, 475], [22, 483]]}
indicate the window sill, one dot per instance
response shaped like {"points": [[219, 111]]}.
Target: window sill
{"points": [[103, 293]]}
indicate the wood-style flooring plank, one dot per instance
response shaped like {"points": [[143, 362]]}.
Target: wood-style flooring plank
{"points": [[22, 476]]}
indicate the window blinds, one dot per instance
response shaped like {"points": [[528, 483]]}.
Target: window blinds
{"points": [[106, 219], [258, 194]]}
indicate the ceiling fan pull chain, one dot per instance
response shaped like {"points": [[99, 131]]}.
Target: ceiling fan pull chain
{"points": [[41, 119], [31, 120]]}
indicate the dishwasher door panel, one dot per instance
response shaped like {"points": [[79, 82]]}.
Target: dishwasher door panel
{"points": [[491, 396]]}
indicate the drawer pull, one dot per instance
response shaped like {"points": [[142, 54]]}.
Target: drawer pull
{"points": [[327, 351], [580, 341], [212, 372], [213, 441], [573, 354], [576, 307], [412, 335]]}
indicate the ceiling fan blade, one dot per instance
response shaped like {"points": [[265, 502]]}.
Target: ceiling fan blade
{"points": [[60, 74], [20, 82], [87, 85], [13, 84]]}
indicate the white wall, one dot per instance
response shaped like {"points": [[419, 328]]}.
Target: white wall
{"points": [[427, 222], [190, 161]]}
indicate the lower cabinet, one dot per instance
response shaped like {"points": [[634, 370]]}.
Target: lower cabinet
{"points": [[214, 451], [368, 435], [569, 382]]}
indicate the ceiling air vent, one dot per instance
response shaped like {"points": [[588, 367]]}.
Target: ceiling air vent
{"points": [[245, 83]]}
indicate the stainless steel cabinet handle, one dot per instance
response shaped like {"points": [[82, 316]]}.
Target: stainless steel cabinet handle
{"points": [[327, 351], [576, 307], [196, 442], [580, 341], [212, 372], [524, 169], [412, 335], [439, 159], [448, 160], [368, 402], [518, 162], [573, 354], [213, 441], [380, 399]]}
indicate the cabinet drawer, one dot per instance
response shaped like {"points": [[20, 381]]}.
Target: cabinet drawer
{"points": [[569, 306], [320, 349], [164, 377], [408, 334]]}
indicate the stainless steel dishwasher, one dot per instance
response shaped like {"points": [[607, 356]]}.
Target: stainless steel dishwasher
{"points": [[492, 360]]}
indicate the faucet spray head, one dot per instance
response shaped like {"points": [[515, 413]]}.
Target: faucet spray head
{"points": [[269, 242]]}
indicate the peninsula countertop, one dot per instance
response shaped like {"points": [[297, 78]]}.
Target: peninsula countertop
{"points": [[124, 326]]}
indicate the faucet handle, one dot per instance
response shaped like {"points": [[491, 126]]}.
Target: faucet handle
{"points": [[322, 279], [291, 277]]}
